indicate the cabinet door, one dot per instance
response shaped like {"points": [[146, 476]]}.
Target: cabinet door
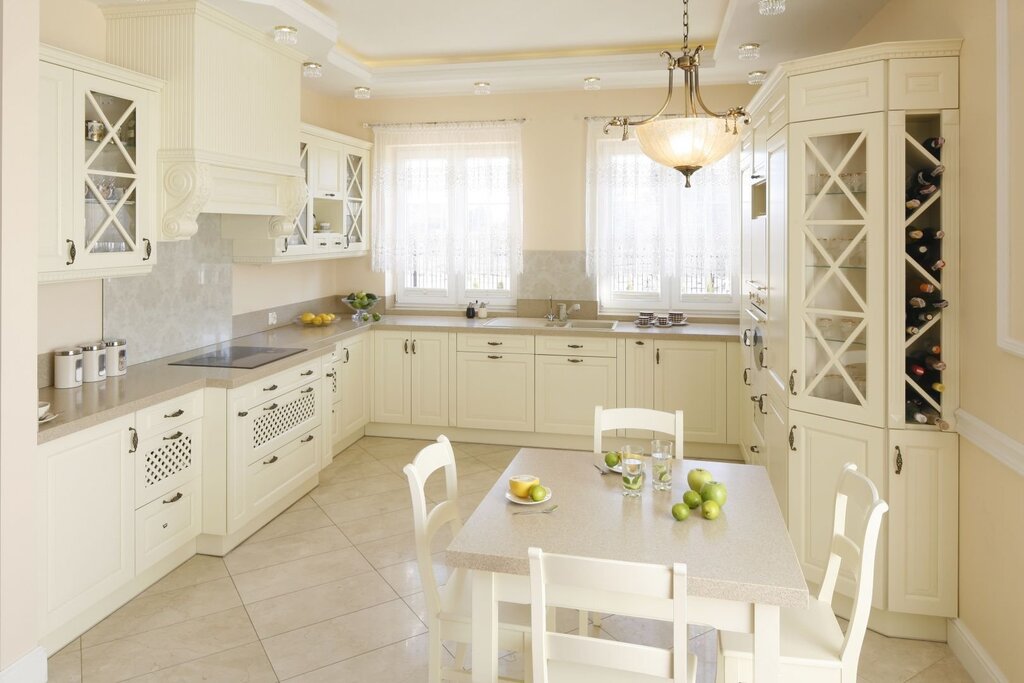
{"points": [[430, 378], [692, 376], [87, 518], [494, 391], [392, 374], [639, 378], [300, 241], [747, 407], [357, 185], [776, 329], [327, 175], [777, 450], [823, 446], [568, 389], [837, 270], [923, 522], [356, 383], [56, 180]]}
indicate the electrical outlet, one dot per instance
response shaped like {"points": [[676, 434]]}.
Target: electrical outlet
{"points": [[272, 318]]}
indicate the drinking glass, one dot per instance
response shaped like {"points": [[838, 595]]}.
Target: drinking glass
{"points": [[632, 472], [661, 465]]}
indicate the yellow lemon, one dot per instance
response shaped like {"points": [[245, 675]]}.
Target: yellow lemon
{"points": [[317, 321], [307, 317], [521, 484]]}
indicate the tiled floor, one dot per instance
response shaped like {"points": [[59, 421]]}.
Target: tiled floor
{"points": [[329, 591]]}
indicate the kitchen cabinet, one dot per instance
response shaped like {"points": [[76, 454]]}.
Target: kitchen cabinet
{"points": [[776, 343], [692, 376], [332, 377], [327, 174], [98, 137], [568, 390], [355, 381], [776, 449], [495, 390], [411, 377], [638, 380], [357, 185]]}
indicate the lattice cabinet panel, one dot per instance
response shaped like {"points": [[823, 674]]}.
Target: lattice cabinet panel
{"points": [[268, 426], [167, 461]]}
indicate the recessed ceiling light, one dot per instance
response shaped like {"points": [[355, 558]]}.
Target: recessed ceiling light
{"points": [[312, 70], [770, 8], [749, 51], [482, 88], [756, 77], [361, 93], [286, 35], [591, 83]]}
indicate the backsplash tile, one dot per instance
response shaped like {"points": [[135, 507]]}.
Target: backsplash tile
{"points": [[183, 304], [558, 274]]}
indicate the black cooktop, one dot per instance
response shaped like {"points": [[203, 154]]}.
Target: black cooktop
{"points": [[242, 357]]}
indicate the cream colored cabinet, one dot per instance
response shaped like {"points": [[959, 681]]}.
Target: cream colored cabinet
{"points": [[86, 519], [332, 378], [327, 171], [777, 448], [568, 390], [355, 383], [355, 223], [410, 377], [638, 380], [494, 390], [923, 500], [776, 343], [692, 376]]}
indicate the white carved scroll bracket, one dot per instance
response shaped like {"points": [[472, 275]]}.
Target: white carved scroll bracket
{"points": [[186, 189], [293, 197]]}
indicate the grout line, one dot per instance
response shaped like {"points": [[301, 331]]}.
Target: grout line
{"points": [[376, 649]]}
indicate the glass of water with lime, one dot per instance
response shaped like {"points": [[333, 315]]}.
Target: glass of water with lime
{"points": [[632, 472], [661, 465]]}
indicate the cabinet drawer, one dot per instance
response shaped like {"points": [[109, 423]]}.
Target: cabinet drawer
{"points": [[167, 461], [277, 384], [505, 343], [169, 414], [576, 346], [270, 476], [266, 427], [165, 524], [844, 91]]}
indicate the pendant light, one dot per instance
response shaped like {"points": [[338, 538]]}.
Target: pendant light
{"points": [[699, 136]]}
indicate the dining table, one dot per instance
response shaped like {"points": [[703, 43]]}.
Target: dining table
{"points": [[742, 568]]}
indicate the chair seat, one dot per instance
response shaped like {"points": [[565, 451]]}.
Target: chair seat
{"points": [[809, 637], [457, 605]]}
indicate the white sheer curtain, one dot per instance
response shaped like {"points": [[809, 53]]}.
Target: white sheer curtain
{"points": [[447, 207]]}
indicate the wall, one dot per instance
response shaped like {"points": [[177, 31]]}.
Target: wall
{"points": [[75, 25], [991, 521]]}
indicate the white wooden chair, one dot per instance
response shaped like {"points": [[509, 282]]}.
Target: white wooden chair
{"points": [[449, 607], [639, 418], [812, 644], [652, 592]]}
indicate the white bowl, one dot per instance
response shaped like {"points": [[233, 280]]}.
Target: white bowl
{"points": [[44, 408]]}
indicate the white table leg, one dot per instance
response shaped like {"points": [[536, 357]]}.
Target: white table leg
{"points": [[766, 643], [485, 628]]}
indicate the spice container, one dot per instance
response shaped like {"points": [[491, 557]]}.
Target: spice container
{"points": [[117, 357], [67, 368], [94, 361]]}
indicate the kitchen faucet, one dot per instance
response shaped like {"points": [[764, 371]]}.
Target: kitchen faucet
{"points": [[563, 314]]}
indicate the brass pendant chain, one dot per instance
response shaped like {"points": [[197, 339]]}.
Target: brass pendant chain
{"points": [[686, 26]]}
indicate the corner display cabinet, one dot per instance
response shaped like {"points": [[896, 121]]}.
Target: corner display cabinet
{"points": [[850, 235]]}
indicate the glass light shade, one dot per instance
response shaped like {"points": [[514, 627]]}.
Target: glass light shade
{"points": [[286, 35], [312, 70], [749, 51], [482, 88], [591, 83], [770, 8], [756, 77], [689, 143], [361, 93]]}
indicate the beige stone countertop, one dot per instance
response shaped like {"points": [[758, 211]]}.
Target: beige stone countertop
{"points": [[745, 555], [149, 383]]}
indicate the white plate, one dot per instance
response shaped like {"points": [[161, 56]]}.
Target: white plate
{"points": [[526, 501], [48, 417]]}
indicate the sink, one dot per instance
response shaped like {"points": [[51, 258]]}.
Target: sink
{"points": [[544, 323], [592, 324]]}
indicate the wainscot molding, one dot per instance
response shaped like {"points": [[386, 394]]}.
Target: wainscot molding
{"points": [[999, 445], [29, 669], [972, 655]]}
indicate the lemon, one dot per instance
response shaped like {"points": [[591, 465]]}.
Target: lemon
{"points": [[521, 484], [329, 317], [317, 321], [710, 509], [307, 317]]}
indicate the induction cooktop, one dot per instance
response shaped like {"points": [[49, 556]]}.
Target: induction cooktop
{"points": [[241, 357]]}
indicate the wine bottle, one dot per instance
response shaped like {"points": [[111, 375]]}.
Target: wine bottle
{"points": [[916, 370], [917, 302], [914, 317], [914, 203], [937, 387], [920, 413], [935, 350], [914, 234], [912, 330], [926, 176], [920, 286], [934, 363], [934, 145]]}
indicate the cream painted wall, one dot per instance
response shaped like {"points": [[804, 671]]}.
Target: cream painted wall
{"points": [[75, 25], [991, 512]]}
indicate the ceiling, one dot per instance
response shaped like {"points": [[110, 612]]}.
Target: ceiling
{"points": [[402, 48]]}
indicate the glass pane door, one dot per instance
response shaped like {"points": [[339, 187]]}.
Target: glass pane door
{"points": [[355, 197], [299, 240], [111, 173], [836, 247]]}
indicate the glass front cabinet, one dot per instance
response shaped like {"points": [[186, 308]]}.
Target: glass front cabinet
{"points": [[97, 169]]}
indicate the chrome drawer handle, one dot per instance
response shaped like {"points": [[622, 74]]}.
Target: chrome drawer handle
{"points": [[307, 439], [575, 360], [494, 343], [271, 461], [575, 346], [272, 406], [272, 387], [307, 373], [177, 413], [177, 496], [174, 437], [306, 390]]}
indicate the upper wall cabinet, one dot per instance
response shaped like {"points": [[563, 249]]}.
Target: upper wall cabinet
{"points": [[97, 169]]}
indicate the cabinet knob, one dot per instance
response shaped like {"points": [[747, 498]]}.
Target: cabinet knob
{"points": [[755, 449]]}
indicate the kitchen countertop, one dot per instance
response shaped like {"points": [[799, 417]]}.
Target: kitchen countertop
{"points": [[155, 381]]}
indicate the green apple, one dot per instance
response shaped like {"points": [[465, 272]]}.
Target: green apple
{"points": [[375, 316], [611, 458], [538, 493], [710, 509], [697, 477], [715, 491], [692, 499], [680, 511]]}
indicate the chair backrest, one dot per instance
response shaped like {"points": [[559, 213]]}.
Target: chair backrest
{"points": [[639, 418], [859, 506], [432, 458], [628, 588]]}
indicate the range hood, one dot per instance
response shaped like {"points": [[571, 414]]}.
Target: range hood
{"points": [[229, 114]]}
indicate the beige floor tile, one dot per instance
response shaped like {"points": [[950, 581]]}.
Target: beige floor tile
{"points": [[893, 660], [319, 603], [405, 577], [368, 506], [474, 449], [160, 648], [245, 664], [65, 667], [948, 670], [705, 648], [250, 556], [470, 465], [389, 448], [364, 467], [289, 523], [74, 646], [307, 572], [148, 612], [633, 630], [374, 528], [418, 604], [345, 490], [401, 548], [302, 504], [499, 460], [198, 569], [313, 647], [402, 662]]}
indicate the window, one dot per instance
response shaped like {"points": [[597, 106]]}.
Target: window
{"points": [[447, 219], [651, 242]]}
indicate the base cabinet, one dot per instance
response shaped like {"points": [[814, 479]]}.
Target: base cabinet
{"points": [[355, 383], [693, 376], [411, 377], [494, 391], [568, 390], [776, 450]]}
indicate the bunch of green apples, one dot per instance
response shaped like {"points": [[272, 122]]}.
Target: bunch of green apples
{"points": [[705, 493], [361, 300]]}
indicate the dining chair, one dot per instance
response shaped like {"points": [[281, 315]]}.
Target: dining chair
{"points": [[648, 591], [639, 418], [449, 607], [813, 647]]}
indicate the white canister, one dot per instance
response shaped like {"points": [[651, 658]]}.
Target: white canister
{"points": [[67, 368], [117, 357], [94, 362]]}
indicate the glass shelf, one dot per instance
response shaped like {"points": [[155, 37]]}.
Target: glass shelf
{"points": [[811, 265], [836, 193], [853, 345]]}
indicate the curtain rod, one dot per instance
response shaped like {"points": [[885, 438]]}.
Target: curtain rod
{"points": [[438, 123]]}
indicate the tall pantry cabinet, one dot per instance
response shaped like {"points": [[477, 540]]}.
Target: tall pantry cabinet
{"points": [[851, 230]]}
